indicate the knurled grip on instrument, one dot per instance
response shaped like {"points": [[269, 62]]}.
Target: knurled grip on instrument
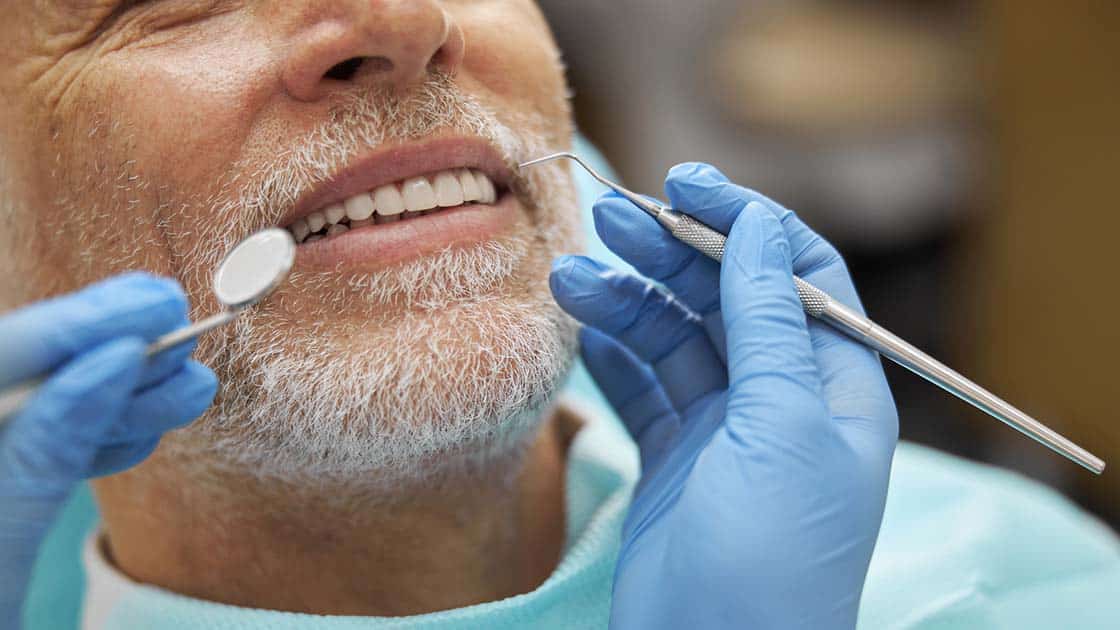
{"points": [[711, 243], [700, 236]]}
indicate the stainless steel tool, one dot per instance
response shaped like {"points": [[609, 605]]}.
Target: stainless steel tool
{"points": [[249, 273], [821, 306]]}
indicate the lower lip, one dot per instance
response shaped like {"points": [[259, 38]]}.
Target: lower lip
{"points": [[377, 246]]}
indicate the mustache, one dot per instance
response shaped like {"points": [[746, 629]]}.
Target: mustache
{"points": [[360, 120]]}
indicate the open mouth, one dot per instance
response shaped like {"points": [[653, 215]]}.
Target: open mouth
{"points": [[399, 201]]}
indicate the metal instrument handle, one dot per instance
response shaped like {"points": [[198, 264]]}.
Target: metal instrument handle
{"points": [[820, 305]]}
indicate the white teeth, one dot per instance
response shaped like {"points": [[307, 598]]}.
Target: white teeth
{"points": [[487, 193], [387, 200], [469, 185], [359, 207], [334, 213], [300, 230], [418, 194], [449, 192], [415, 197], [316, 221]]}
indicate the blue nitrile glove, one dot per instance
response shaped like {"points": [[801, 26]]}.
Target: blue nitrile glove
{"points": [[766, 441], [102, 410]]}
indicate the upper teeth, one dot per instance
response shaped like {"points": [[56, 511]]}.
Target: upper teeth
{"points": [[393, 202]]}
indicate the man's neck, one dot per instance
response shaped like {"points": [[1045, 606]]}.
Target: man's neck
{"points": [[456, 545]]}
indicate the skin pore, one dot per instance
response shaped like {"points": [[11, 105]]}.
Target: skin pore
{"points": [[154, 134]]}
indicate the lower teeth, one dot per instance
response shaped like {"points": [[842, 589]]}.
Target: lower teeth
{"points": [[346, 224]]}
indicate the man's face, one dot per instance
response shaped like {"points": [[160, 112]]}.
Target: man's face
{"points": [[156, 134]]}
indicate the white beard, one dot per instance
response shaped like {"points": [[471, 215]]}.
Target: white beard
{"points": [[458, 384]]}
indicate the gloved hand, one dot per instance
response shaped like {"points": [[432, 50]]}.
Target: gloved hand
{"points": [[102, 410], [766, 441]]}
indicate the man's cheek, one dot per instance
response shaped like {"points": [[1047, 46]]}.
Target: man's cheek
{"points": [[511, 52], [123, 174], [190, 120]]}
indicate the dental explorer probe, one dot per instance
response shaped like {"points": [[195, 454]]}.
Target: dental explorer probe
{"points": [[820, 305]]}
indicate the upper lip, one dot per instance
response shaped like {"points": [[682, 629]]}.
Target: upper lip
{"points": [[389, 164]]}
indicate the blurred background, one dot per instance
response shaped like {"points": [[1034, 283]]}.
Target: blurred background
{"points": [[962, 155]]}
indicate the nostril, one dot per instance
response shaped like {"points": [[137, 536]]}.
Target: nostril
{"points": [[346, 70]]}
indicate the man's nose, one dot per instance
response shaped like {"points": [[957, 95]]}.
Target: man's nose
{"points": [[387, 42]]}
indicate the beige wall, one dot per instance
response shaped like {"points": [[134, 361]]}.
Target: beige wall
{"points": [[1047, 332]]}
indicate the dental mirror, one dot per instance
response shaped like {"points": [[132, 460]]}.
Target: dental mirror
{"points": [[249, 273]]}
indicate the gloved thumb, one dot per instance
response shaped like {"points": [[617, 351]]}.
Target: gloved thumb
{"points": [[775, 387]]}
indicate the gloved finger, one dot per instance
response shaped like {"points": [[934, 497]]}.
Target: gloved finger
{"points": [[56, 436], [633, 391], [37, 338], [176, 401], [851, 373], [165, 364], [854, 384], [703, 192], [639, 240], [113, 459], [706, 194], [775, 396], [653, 325]]}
